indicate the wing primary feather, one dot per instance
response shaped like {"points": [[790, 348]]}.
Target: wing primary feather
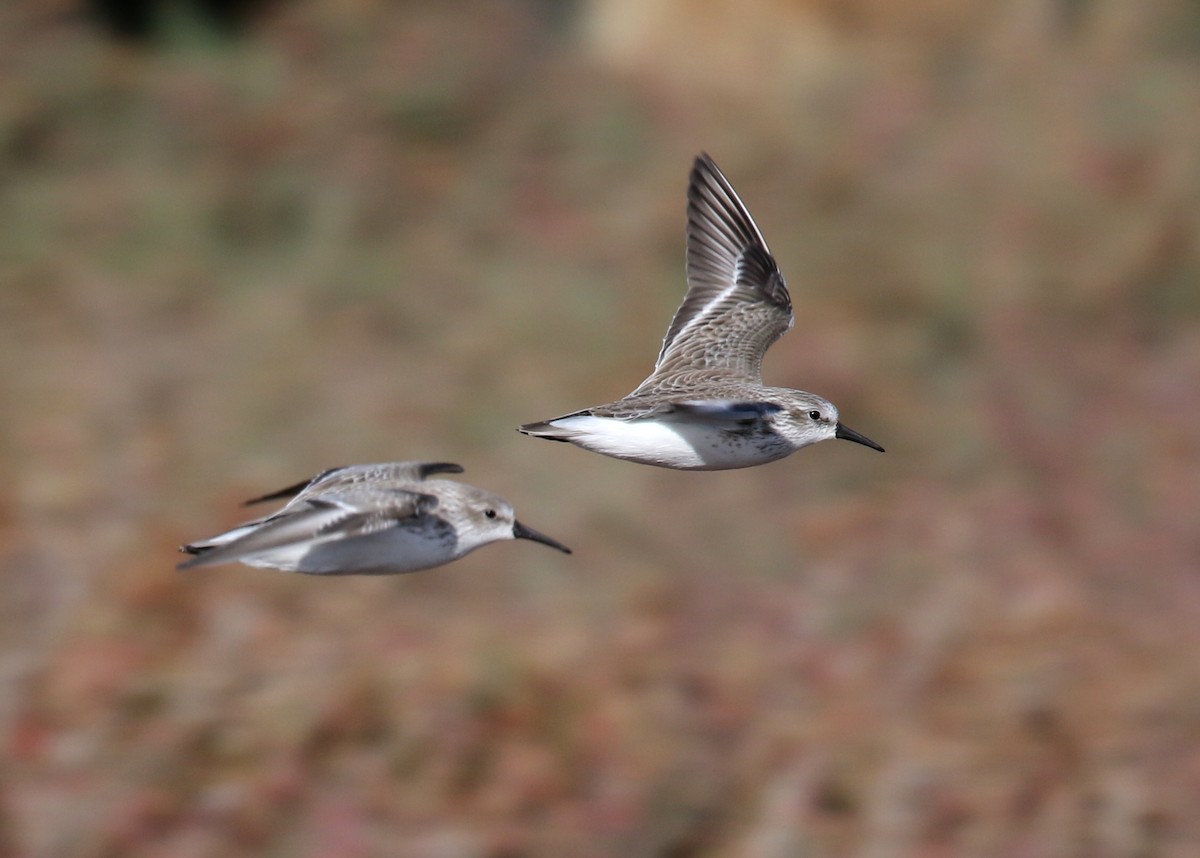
{"points": [[737, 303], [427, 469], [293, 490]]}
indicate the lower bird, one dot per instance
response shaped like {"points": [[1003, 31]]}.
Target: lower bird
{"points": [[369, 520], [705, 407]]}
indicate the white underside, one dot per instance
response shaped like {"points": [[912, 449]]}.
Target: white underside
{"points": [[676, 444]]}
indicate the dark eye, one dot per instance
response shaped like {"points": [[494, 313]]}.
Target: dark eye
{"points": [[489, 513], [814, 414]]}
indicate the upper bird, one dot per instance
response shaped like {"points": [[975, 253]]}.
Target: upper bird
{"points": [[369, 520], [705, 407]]}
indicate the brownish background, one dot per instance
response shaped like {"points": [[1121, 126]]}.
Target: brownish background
{"points": [[361, 231]]}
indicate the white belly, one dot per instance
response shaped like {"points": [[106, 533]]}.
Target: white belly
{"points": [[677, 444], [387, 552]]}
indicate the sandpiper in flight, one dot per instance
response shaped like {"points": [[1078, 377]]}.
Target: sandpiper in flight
{"points": [[369, 520], [705, 407]]}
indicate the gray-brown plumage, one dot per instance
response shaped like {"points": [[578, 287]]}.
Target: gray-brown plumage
{"points": [[369, 520], [704, 407]]}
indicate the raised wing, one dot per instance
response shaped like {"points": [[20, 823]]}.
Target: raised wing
{"points": [[737, 303]]}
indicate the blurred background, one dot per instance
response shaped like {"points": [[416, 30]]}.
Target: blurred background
{"points": [[243, 242]]}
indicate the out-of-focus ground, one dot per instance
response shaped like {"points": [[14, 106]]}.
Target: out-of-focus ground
{"points": [[363, 231]]}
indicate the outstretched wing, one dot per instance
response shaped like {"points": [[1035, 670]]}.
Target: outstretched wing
{"points": [[737, 303], [388, 473]]}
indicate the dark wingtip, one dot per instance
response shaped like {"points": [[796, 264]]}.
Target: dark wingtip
{"points": [[427, 469], [289, 492], [703, 165]]}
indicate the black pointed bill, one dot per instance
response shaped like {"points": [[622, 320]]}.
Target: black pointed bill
{"points": [[520, 531], [844, 431]]}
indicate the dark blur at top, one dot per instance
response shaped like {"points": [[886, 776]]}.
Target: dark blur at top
{"points": [[141, 21]]}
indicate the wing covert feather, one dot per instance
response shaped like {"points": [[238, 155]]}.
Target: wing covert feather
{"points": [[737, 303]]}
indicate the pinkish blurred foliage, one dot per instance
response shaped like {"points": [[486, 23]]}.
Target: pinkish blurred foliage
{"points": [[361, 231]]}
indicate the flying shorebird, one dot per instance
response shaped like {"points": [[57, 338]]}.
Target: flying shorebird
{"points": [[369, 520], [705, 407]]}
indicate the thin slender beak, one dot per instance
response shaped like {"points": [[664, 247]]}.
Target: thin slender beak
{"points": [[520, 531], [844, 431]]}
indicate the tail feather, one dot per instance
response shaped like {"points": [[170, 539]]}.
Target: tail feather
{"points": [[547, 430], [199, 550]]}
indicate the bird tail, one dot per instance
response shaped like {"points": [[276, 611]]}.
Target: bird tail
{"points": [[547, 430], [204, 547]]}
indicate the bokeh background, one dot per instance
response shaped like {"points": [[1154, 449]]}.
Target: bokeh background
{"points": [[241, 243]]}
